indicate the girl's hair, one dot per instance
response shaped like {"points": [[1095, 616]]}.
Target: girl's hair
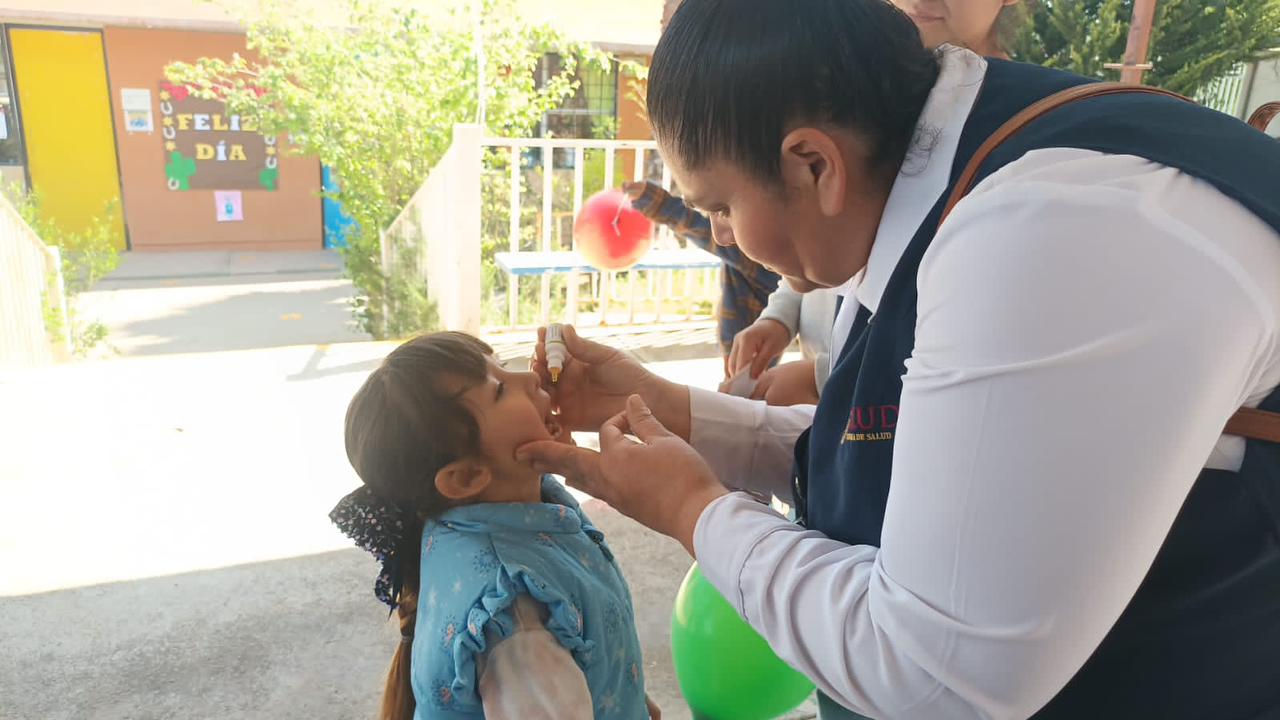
{"points": [[404, 424], [729, 76]]}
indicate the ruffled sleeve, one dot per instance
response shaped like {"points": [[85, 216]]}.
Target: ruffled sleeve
{"points": [[509, 690], [492, 620]]}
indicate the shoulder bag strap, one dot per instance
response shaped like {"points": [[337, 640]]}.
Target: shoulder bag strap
{"points": [[1263, 116]]}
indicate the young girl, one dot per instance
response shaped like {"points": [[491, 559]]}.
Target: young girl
{"points": [[510, 602]]}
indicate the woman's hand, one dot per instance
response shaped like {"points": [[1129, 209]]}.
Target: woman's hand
{"points": [[757, 346], [792, 383], [596, 381], [661, 481]]}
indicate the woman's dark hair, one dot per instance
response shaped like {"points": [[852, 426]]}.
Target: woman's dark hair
{"points": [[404, 424], [729, 76]]}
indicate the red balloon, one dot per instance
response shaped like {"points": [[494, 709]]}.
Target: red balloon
{"points": [[611, 234]]}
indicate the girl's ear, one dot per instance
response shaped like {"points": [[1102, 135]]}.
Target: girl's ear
{"points": [[463, 479]]}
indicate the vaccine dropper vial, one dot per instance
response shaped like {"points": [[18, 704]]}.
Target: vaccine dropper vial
{"points": [[557, 352]]}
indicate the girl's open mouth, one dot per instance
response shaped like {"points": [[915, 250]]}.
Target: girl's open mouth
{"points": [[553, 427]]}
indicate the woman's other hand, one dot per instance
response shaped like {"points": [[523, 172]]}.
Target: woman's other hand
{"points": [[660, 481]]}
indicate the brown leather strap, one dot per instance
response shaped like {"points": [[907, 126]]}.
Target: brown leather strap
{"points": [[1027, 116], [1262, 117], [1256, 424], [1247, 422]]}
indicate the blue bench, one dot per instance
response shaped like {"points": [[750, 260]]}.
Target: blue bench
{"points": [[563, 261]]}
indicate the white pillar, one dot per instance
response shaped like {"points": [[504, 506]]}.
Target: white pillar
{"points": [[460, 308]]}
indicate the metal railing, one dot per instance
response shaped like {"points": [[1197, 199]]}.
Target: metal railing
{"points": [[31, 289], [1224, 94], [521, 195]]}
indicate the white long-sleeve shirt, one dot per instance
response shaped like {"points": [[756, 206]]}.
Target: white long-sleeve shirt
{"points": [[1086, 324]]}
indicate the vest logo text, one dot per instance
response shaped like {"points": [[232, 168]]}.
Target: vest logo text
{"points": [[872, 423]]}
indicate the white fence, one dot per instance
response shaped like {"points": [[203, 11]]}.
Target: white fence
{"points": [[30, 285], [1226, 93], [521, 195], [439, 230]]}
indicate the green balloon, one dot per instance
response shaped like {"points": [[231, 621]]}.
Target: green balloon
{"points": [[725, 669]]}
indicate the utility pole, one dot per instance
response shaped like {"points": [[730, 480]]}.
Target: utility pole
{"points": [[1135, 52]]}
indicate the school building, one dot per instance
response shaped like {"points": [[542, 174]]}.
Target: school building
{"points": [[88, 120]]}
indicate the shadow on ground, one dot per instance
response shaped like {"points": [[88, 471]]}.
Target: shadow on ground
{"points": [[297, 638], [215, 316]]}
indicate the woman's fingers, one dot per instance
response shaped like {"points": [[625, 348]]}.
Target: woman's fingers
{"points": [[642, 421], [613, 433], [579, 466], [735, 353], [585, 350], [760, 363], [762, 387]]}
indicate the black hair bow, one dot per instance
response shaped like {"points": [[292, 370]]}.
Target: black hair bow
{"points": [[378, 526]]}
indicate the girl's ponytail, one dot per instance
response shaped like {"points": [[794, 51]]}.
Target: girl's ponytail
{"points": [[397, 698]]}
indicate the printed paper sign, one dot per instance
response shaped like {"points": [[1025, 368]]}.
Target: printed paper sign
{"points": [[229, 205], [136, 103]]}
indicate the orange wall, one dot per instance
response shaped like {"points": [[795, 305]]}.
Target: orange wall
{"points": [[288, 218], [632, 122]]}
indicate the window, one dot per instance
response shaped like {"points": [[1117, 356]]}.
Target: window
{"points": [[592, 112], [10, 138]]}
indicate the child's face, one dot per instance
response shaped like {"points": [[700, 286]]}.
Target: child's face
{"points": [[511, 409]]}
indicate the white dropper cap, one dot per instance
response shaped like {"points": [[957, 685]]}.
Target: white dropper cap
{"points": [[557, 351]]}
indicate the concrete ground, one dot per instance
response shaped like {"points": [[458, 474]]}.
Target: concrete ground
{"points": [[158, 303], [163, 531]]}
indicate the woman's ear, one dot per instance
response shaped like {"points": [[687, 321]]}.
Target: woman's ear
{"points": [[812, 162], [463, 479]]}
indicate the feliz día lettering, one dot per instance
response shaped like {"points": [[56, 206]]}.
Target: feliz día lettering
{"points": [[220, 152], [215, 122]]}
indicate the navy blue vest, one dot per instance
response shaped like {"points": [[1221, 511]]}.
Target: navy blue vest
{"points": [[1201, 638]]}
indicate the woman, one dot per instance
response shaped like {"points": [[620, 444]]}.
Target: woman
{"points": [[987, 27], [1019, 499]]}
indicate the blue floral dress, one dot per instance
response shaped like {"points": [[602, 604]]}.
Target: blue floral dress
{"points": [[477, 559]]}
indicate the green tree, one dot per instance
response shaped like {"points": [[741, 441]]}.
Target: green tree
{"points": [[1193, 41], [375, 97]]}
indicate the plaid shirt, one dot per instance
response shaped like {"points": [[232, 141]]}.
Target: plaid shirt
{"points": [[745, 284]]}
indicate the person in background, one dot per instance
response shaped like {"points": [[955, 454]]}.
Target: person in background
{"points": [[745, 284], [987, 27], [787, 316]]}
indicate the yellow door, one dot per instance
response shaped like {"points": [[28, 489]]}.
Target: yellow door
{"points": [[61, 78]]}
